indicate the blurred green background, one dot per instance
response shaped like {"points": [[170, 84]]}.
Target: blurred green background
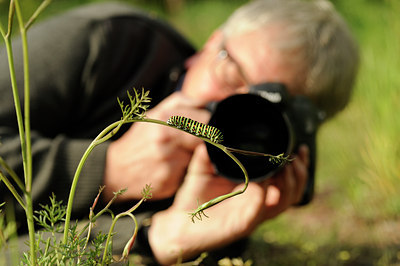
{"points": [[354, 218]]}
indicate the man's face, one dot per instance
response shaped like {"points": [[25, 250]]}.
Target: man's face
{"points": [[228, 67]]}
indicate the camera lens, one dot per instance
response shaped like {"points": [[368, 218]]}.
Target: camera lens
{"points": [[250, 122]]}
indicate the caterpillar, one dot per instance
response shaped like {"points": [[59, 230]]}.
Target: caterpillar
{"points": [[196, 128]]}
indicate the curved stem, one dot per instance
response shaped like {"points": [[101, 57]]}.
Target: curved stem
{"points": [[106, 134], [12, 174], [197, 213], [126, 213], [200, 209], [110, 131], [93, 217], [11, 11], [12, 189], [39, 10]]}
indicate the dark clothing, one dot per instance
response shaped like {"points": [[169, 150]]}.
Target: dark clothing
{"points": [[80, 62]]}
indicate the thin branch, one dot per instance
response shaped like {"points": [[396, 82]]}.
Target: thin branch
{"points": [[13, 175], [39, 10], [12, 190], [11, 13]]}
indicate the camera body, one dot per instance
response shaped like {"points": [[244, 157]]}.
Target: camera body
{"points": [[265, 120]]}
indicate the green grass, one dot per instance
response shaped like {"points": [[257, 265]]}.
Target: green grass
{"points": [[354, 218]]}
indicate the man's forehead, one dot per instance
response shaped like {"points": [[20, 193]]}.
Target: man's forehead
{"points": [[254, 55], [259, 55]]}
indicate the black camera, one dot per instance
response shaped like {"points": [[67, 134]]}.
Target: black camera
{"points": [[266, 120]]}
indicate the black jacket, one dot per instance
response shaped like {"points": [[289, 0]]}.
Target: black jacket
{"points": [[80, 62]]}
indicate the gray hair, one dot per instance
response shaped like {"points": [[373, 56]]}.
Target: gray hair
{"points": [[328, 53]]}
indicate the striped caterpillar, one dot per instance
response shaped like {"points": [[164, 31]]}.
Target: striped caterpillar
{"points": [[196, 128]]}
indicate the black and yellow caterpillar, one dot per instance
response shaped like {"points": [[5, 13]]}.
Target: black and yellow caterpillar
{"points": [[196, 128]]}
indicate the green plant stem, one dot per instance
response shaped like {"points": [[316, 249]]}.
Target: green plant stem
{"points": [[227, 150], [11, 12], [28, 151], [200, 209], [93, 218], [28, 173], [13, 175], [17, 106], [127, 213], [31, 227], [17, 103], [12, 190], [90, 224], [39, 10], [106, 134], [24, 136], [110, 131], [73, 189], [197, 213], [219, 199]]}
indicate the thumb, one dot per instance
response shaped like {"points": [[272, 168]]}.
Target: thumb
{"points": [[200, 162]]}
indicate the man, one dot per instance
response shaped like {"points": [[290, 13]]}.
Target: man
{"points": [[83, 60]]}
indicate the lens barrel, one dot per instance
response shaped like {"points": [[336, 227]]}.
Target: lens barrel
{"points": [[252, 123]]}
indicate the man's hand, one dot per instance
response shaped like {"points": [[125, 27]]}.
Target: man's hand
{"points": [[153, 154], [173, 235]]}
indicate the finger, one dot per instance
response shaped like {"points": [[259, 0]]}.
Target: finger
{"points": [[288, 189], [300, 171], [178, 103], [304, 154], [273, 195], [178, 139], [174, 168], [200, 162], [273, 205], [280, 193], [300, 168]]}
